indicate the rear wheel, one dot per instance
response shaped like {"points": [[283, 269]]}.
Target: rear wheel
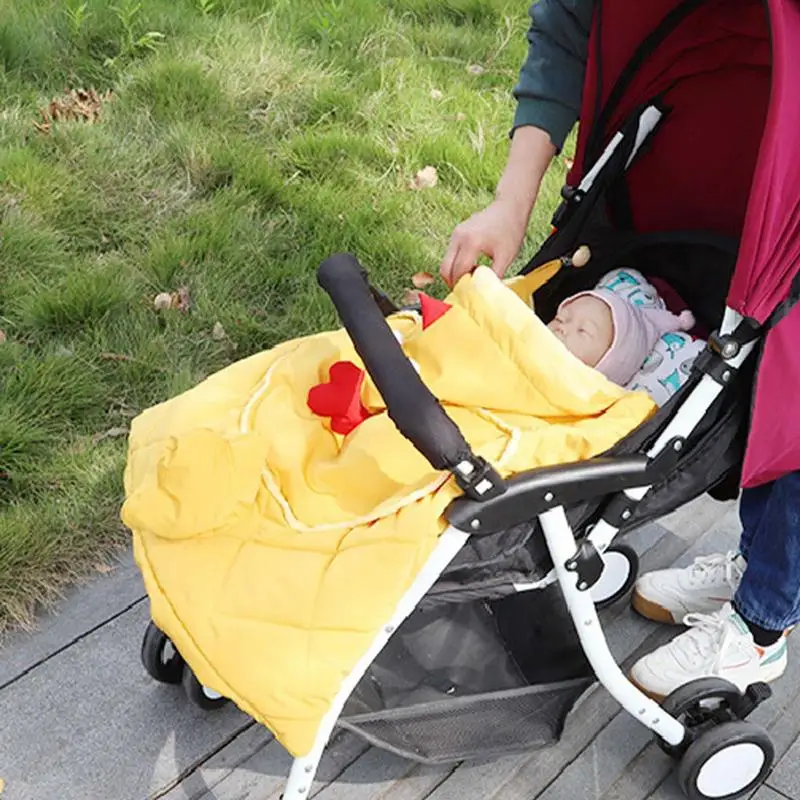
{"points": [[620, 570], [726, 762]]}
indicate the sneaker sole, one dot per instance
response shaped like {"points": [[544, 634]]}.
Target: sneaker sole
{"points": [[659, 698], [651, 610], [768, 675]]}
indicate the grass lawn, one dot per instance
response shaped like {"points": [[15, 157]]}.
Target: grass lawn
{"points": [[243, 142]]}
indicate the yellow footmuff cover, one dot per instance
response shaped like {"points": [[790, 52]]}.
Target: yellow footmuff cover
{"points": [[278, 515]]}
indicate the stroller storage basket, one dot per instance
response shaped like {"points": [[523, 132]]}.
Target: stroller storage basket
{"points": [[472, 680]]}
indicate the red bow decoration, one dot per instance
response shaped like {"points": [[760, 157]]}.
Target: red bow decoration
{"points": [[340, 398]]}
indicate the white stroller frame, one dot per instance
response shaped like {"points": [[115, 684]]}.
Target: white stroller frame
{"points": [[562, 547]]}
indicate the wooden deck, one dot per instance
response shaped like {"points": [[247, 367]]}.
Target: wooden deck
{"points": [[79, 719]]}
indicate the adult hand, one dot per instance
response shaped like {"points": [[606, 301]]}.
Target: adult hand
{"points": [[496, 232]]}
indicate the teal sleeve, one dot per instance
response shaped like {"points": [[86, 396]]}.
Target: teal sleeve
{"points": [[550, 83]]}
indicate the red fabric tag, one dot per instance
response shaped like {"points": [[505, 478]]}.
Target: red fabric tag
{"points": [[432, 309]]}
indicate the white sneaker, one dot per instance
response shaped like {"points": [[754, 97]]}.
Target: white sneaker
{"points": [[668, 595], [716, 645]]}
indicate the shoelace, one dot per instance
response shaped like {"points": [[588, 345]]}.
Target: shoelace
{"points": [[706, 568], [707, 636]]}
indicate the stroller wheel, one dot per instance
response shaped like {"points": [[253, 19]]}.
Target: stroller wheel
{"points": [[620, 570], [200, 695], [699, 705], [159, 656], [726, 762]]}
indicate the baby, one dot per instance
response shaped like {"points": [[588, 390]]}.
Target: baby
{"points": [[612, 334]]}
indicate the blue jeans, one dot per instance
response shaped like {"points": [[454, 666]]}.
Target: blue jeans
{"points": [[769, 594]]}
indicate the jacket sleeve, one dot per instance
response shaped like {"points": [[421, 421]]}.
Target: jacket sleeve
{"points": [[551, 80]]}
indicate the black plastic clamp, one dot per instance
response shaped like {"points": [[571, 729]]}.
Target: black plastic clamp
{"points": [[571, 197], [620, 508], [752, 698], [587, 563], [711, 362], [478, 479]]}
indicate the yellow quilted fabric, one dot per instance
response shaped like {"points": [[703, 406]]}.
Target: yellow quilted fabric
{"points": [[273, 550]]}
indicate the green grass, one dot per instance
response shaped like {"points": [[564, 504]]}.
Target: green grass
{"points": [[247, 140]]}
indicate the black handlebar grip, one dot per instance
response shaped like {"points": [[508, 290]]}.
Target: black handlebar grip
{"points": [[412, 407]]}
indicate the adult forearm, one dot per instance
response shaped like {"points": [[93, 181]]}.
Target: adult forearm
{"points": [[530, 155]]}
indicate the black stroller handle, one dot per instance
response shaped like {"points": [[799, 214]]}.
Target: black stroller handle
{"points": [[412, 407]]}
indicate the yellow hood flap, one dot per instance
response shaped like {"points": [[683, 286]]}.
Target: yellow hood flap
{"points": [[203, 481]]}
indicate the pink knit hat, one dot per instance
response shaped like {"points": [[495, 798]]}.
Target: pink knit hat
{"points": [[636, 331]]}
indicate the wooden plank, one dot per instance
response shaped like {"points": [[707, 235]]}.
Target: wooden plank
{"points": [[83, 610], [90, 723], [694, 519], [367, 776], [197, 782], [262, 774], [418, 784]]}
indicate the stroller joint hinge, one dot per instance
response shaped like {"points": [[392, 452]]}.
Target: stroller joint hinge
{"points": [[478, 479], [587, 563], [619, 510], [712, 362]]}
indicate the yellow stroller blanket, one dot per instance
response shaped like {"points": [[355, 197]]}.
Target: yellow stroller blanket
{"points": [[273, 547]]}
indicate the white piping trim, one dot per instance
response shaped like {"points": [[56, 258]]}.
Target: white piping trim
{"points": [[304, 768]]}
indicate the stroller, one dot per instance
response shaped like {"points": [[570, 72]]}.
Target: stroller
{"points": [[480, 657]]}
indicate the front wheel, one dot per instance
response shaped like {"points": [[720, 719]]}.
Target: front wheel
{"points": [[726, 762], [159, 656], [200, 695]]}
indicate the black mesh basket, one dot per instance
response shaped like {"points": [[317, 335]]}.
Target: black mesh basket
{"points": [[473, 680]]}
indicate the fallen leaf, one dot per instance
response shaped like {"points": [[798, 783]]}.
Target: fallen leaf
{"points": [[422, 279], [476, 69], [84, 105], [181, 300], [163, 301], [410, 297], [103, 569], [218, 332], [426, 178], [115, 357], [436, 94], [3, 337], [461, 116], [111, 433], [569, 163]]}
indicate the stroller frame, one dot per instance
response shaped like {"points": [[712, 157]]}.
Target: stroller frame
{"points": [[562, 546], [466, 514]]}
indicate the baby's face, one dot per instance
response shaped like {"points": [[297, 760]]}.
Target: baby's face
{"points": [[586, 327]]}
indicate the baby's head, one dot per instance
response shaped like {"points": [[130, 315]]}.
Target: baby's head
{"points": [[609, 333], [585, 326]]}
